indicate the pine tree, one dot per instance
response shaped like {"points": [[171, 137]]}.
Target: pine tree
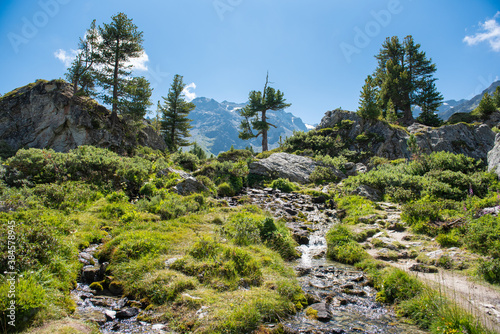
{"points": [[157, 120], [198, 151], [390, 114], [175, 124], [403, 72], [486, 107], [254, 113], [80, 73], [368, 107], [430, 100], [137, 95], [120, 42], [496, 97]]}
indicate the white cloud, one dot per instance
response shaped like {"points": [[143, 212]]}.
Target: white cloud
{"points": [[139, 63], [190, 95], [66, 57], [490, 34]]}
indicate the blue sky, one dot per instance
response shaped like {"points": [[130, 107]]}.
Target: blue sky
{"points": [[318, 52]]}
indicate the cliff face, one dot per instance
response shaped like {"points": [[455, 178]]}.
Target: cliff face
{"points": [[471, 140], [47, 115]]}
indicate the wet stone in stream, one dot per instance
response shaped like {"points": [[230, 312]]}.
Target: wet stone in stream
{"points": [[113, 313]]}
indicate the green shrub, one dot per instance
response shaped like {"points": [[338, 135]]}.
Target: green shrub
{"points": [[68, 195], [233, 174], [490, 271], [234, 155], [186, 160], [244, 230], [170, 205], [30, 297], [148, 189], [225, 190], [451, 239], [283, 184], [322, 174], [483, 235]]}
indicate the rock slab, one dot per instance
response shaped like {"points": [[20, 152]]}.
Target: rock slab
{"points": [[289, 166]]}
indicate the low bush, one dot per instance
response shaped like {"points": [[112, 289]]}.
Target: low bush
{"points": [[483, 236], [225, 190], [283, 184], [186, 160], [451, 239], [234, 155], [490, 271], [323, 174]]}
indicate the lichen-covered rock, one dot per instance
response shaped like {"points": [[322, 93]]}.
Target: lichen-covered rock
{"points": [[474, 141], [48, 115], [389, 141], [290, 166], [494, 157], [188, 185]]}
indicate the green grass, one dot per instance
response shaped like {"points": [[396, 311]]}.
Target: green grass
{"points": [[355, 207]]}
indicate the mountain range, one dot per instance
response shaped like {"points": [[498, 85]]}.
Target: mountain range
{"points": [[216, 126], [449, 107]]}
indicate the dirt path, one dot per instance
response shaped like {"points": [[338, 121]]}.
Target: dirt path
{"points": [[479, 299]]}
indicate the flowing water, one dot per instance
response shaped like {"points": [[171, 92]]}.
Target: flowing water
{"points": [[344, 301], [113, 314]]}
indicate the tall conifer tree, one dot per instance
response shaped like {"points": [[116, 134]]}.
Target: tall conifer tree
{"points": [[368, 106], [402, 74], [120, 42], [255, 113], [175, 123]]}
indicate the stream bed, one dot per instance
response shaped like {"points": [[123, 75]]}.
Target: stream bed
{"points": [[341, 299]]}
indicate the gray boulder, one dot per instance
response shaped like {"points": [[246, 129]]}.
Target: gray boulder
{"points": [[494, 157], [368, 192], [189, 183], [471, 140], [290, 166], [323, 310], [48, 115]]}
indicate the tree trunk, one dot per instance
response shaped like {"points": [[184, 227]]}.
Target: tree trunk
{"points": [[264, 134], [75, 85], [115, 78], [407, 117]]}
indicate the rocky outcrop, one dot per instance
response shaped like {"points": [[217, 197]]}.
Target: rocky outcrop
{"points": [[474, 141], [494, 157], [382, 139], [47, 115], [293, 167]]}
